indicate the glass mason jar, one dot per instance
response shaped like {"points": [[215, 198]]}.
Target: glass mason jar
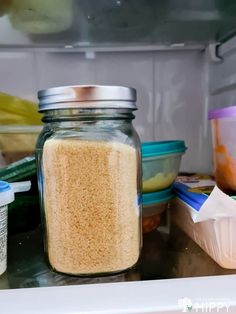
{"points": [[88, 159]]}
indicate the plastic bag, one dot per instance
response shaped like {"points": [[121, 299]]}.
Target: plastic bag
{"points": [[20, 125], [14, 110]]}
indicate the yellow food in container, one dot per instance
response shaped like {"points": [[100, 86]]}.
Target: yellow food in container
{"points": [[159, 182], [161, 163]]}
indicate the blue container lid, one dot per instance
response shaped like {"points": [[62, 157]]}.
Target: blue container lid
{"points": [[4, 186], [158, 197], [150, 149]]}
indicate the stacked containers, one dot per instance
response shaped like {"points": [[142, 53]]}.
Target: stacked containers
{"points": [[154, 204], [160, 163]]}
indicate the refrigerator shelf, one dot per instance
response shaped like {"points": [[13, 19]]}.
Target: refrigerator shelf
{"points": [[85, 24], [30, 287], [163, 257]]}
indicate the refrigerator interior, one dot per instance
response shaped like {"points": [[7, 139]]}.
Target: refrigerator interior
{"points": [[181, 59]]}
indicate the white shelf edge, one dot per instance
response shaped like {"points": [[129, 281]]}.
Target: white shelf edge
{"points": [[105, 48], [157, 296]]}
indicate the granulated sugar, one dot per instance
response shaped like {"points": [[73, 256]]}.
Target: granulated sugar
{"points": [[90, 200]]}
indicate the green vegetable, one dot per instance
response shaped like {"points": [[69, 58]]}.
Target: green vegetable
{"points": [[19, 170]]}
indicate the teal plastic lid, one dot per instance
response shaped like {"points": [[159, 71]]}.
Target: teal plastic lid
{"points": [[158, 197], [150, 149]]}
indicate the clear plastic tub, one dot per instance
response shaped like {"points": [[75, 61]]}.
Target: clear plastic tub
{"points": [[161, 163], [224, 147], [215, 236], [154, 205]]}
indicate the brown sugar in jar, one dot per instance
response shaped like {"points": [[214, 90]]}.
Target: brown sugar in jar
{"points": [[89, 180], [90, 205]]}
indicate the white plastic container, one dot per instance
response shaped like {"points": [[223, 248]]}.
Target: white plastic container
{"points": [[215, 237], [6, 197]]}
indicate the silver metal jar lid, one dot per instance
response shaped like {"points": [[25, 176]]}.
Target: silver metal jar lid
{"points": [[87, 96]]}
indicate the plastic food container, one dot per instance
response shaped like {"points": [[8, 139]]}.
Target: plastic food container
{"points": [[6, 197], [161, 163], [215, 236], [224, 147], [154, 204]]}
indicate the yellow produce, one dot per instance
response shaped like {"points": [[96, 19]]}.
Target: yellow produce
{"points": [[17, 111], [19, 128], [41, 16], [159, 182]]}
